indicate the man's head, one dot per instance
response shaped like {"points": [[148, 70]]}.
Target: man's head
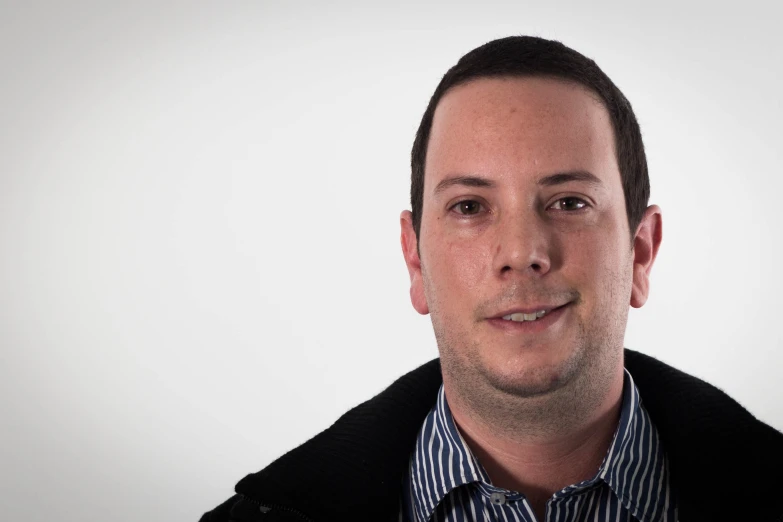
{"points": [[526, 56], [529, 177]]}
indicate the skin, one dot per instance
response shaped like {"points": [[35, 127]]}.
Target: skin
{"points": [[537, 408]]}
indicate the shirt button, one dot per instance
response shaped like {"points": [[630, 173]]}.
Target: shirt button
{"points": [[497, 498]]}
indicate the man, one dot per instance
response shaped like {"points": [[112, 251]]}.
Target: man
{"points": [[529, 237]]}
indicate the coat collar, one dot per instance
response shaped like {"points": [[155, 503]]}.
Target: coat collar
{"points": [[443, 461], [354, 469]]}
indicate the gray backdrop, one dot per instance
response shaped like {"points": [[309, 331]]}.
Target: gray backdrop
{"points": [[199, 253]]}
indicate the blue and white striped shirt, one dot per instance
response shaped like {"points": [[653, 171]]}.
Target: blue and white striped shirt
{"points": [[446, 483]]}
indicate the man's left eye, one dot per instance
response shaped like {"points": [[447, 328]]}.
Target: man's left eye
{"points": [[569, 203]]}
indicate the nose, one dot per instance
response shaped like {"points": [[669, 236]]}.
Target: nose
{"points": [[523, 245]]}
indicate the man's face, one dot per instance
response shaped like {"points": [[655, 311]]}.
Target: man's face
{"points": [[524, 213]]}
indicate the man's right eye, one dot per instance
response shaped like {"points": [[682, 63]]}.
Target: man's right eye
{"points": [[467, 207]]}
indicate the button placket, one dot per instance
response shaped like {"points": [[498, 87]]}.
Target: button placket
{"points": [[497, 498]]}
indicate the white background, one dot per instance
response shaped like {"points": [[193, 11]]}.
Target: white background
{"points": [[199, 253]]}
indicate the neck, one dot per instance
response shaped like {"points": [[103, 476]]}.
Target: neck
{"points": [[533, 455]]}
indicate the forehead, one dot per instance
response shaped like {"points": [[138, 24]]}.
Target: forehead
{"points": [[499, 127]]}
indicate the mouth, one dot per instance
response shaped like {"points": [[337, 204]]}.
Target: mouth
{"points": [[529, 320]]}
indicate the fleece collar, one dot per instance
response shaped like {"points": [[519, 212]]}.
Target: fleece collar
{"points": [[722, 460]]}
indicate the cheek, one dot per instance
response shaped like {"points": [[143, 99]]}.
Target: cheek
{"points": [[467, 259], [598, 260], [457, 268]]}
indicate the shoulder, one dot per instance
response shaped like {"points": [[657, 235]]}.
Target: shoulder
{"points": [[364, 452], [240, 508], [684, 403], [708, 436], [221, 513]]}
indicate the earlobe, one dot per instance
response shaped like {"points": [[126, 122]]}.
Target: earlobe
{"points": [[645, 248], [410, 251]]}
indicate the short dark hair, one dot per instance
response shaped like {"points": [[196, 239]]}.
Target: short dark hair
{"points": [[521, 56]]}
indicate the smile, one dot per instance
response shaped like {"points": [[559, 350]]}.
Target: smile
{"points": [[530, 321], [525, 317]]}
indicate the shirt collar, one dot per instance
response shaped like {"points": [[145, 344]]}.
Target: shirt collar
{"points": [[634, 466], [441, 460]]}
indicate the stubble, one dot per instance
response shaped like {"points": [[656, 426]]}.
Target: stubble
{"points": [[539, 402]]}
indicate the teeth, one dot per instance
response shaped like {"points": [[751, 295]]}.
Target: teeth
{"points": [[524, 317]]}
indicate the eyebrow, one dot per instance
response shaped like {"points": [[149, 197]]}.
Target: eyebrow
{"points": [[565, 177], [465, 181], [546, 181]]}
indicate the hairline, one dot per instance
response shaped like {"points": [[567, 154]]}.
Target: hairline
{"points": [[585, 87]]}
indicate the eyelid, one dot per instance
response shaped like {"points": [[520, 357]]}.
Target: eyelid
{"points": [[587, 203], [453, 206], [484, 207]]}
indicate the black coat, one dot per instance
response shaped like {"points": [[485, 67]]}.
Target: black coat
{"points": [[724, 463]]}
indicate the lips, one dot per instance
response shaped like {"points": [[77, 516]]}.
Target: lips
{"points": [[540, 325], [546, 308]]}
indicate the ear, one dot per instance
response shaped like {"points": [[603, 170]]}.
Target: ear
{"points": [[645, 248], [410, 251]]}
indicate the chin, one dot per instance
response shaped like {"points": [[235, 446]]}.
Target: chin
{"points": [[532, 374]]}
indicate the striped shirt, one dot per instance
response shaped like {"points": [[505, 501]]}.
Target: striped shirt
{"points": [[446, 483]]}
